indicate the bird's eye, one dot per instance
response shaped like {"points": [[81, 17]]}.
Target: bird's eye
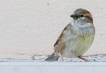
{"points": [[82, 16]]}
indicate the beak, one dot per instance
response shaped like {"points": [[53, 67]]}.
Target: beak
{"points": [[74, 16]]}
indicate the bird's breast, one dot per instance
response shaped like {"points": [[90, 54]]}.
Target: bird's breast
{"points": [[78, 40]]}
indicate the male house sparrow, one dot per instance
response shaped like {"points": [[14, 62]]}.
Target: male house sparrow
{"points": [[76, 38]]}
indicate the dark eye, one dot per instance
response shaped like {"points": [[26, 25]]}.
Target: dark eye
{"points": [[82, 16]]}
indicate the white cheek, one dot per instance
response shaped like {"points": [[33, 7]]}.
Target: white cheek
{"points": [[82, 18]]}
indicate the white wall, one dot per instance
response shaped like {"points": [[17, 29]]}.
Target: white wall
{"points": [[33, 26]]}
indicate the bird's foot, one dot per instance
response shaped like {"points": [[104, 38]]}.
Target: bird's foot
{"points": [[61, 57], [82, 58]]}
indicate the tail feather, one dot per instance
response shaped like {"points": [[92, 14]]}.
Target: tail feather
{"points": [[52, 58]]}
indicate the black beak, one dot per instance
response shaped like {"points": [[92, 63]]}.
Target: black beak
{"points": [[73, 15]]}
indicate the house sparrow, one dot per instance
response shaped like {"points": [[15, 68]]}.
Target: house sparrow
{"points": [[76, 38]]}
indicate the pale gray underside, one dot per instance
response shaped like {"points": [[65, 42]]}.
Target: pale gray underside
{"points": [[77, 39]]}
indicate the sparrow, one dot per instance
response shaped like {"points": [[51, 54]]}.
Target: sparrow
{"points": [[76, 38]]}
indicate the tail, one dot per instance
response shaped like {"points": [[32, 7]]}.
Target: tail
{"points": [[52, 58]]}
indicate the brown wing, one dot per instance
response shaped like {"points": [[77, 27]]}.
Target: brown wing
{"points": [[59, 38]]}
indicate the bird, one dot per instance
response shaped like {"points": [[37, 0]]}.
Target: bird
{"points": [[76, 38]]}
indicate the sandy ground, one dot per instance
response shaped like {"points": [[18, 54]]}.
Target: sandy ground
{"points": [[18, 57], [40, 56]]}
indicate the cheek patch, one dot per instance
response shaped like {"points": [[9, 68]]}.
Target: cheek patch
{"points": [[82, 18]]}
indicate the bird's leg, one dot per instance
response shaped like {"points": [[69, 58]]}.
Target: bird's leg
{"points": [[61, 57], [82, 58]]}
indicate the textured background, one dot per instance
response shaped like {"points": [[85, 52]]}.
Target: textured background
{"points": [[33, 26]]}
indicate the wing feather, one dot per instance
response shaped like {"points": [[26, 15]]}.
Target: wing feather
{"points": [[61, 35]]}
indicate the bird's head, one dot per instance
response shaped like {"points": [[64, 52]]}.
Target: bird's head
{"points": [[82, 15]]}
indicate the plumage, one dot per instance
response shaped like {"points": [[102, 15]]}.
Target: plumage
{"points": [[77, 36]]}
